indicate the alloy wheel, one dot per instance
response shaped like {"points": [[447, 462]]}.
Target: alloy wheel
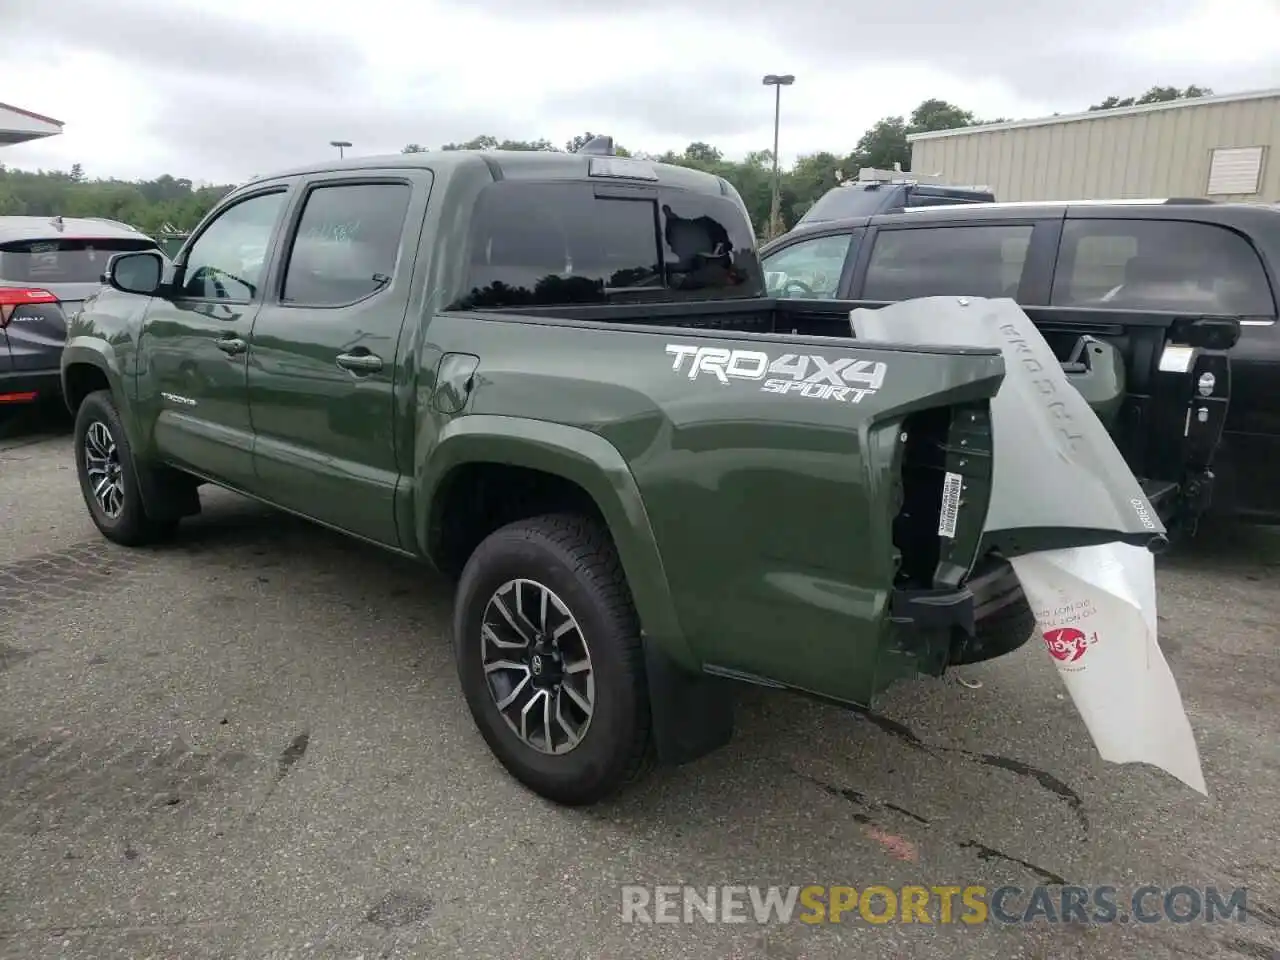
{"points": [[538, 666], [102, 469]]}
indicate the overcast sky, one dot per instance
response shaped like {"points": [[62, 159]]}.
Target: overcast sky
{"points": [[222, 91]]}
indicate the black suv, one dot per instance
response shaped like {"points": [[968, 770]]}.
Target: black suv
{"points": [[1086, 267]]}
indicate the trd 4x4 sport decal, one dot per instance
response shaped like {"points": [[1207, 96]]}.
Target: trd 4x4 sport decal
{"points": [[808, 375]]}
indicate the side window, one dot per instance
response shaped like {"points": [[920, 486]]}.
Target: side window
{"points": [[227, 261], [978, 261], [346, 244], [809, 269], [1159, 265]]}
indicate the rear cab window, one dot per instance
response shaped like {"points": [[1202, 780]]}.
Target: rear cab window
{"points": [[1160, 265], [983, 260], [58, 260], [572, 242], [862, 200]]}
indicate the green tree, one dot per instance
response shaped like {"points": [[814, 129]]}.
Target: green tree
{"points": [[1156, 94], [934, 115]]}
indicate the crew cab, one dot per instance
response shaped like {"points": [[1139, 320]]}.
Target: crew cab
{"points": [[48, 266], [1132, 274], [557, 378]]}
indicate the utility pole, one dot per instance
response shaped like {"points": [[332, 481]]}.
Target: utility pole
{"points": [[777, 81]]}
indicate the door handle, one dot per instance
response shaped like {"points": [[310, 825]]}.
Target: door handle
{"points": [[360, 362], [232, 346]]}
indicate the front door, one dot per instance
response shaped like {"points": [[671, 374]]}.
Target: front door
{"points": [[195, 341], [322, 358]]}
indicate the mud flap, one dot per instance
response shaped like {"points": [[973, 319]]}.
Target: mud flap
{"points": [[1069, 515], [691, 713]]}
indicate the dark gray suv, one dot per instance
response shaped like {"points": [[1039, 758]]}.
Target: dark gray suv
{"points": [[48, 266]]}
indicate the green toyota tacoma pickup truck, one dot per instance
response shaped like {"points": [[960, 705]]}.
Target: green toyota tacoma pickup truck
{"points": [[556, 378]]}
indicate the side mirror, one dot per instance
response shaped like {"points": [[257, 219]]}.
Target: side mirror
{"points": [[139, 272]]}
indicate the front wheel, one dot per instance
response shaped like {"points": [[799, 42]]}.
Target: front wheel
{"points": [[108, 481], [550, 658]]}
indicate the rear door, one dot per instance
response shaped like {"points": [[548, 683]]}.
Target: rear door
{"points": [[1124, 270], [54, 275], [322, 358]]}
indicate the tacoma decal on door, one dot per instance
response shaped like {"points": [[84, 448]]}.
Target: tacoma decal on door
{"points": [[809, 375]]}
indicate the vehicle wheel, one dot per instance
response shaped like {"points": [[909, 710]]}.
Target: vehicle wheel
{"points": [[105, 468], [1002, 632], [550, 659]]}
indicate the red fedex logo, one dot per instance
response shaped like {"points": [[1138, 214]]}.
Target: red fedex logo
{"points": [[1067, 643]]}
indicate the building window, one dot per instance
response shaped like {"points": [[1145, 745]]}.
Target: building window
{"points": [[1235, 170]]}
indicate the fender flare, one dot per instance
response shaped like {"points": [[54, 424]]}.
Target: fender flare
{"points": [[160, 499], [97, 352], [587, 460]]}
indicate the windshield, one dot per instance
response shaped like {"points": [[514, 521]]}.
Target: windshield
{"points": [[853, 201], [63, 260]]}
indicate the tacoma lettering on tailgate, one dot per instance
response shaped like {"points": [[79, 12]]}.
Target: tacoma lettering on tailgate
{"points": [[809, 375]]}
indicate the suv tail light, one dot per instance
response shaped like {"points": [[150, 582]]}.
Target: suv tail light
{"points": [[11, 298]]}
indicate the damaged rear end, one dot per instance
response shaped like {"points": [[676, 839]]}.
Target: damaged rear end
{"points": [[1033, 470], [955, 600]]}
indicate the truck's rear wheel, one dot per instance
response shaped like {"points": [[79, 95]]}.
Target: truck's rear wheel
{"points": [[550, 659], [108, 481]]}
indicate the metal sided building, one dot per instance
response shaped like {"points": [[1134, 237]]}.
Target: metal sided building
{"points": [[1224, 147]]}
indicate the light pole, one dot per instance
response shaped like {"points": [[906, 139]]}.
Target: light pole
{"points": [[340, 144], [777, 82]]}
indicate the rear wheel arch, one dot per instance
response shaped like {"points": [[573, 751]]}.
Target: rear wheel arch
{"points": [[544, 467]]}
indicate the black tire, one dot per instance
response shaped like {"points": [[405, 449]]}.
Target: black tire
{"points": [[574, 558], [998, 634], [129, 526]]}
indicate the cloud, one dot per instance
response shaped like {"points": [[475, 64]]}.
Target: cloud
{"points": [[1069, 53], [168, 39], [223, 91], [230, 140]]}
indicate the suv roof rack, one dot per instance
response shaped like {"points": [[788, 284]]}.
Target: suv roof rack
{"points": [[873, 175]]}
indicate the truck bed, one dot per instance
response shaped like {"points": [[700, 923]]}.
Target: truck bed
{"points": [[1147, 424]]}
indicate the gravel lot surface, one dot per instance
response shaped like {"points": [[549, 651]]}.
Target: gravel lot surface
{"points": [[250, 743]]}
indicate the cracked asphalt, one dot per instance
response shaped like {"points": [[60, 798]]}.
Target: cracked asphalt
{"points": [[250, 743]]}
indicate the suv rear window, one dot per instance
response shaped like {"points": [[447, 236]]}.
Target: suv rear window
{"points": [[853, 201], [63, 259], [553, 244]]}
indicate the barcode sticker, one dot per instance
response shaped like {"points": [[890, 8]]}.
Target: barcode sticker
{"points": [[952, 483]]}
